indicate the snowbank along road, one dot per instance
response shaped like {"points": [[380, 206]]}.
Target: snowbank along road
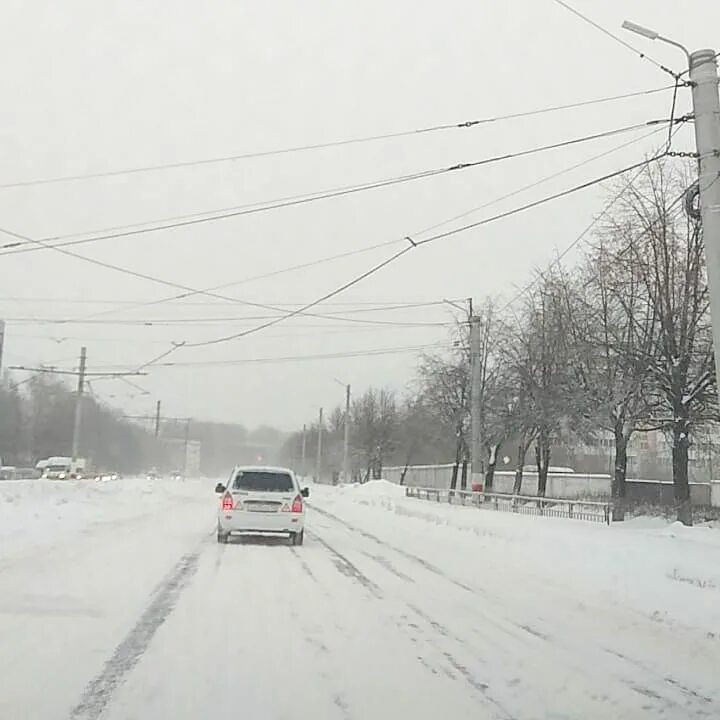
{"points": [[116, 603]]}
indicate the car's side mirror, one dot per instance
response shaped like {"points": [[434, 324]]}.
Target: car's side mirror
{"points": [[305, 492], [220, 488]]}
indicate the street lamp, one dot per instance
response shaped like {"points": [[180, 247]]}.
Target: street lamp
{"points": [[703, 77], [346, 430], [654, 35]]}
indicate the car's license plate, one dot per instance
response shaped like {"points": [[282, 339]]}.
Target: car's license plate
{"points": [[261, 507]]}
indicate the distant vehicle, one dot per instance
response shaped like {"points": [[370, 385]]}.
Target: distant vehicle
{"points": [[262, 500], [8, 472], [63, 468]]}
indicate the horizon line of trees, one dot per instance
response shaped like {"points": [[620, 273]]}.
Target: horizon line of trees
{"points": [[37, 418]]}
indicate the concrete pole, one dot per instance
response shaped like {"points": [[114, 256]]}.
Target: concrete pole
{"points": [[346, 441], [303, 453], [187, 445], [477, 455], [157, 418], [78, 402], [2, 343], [706, 108], [318, 462]]}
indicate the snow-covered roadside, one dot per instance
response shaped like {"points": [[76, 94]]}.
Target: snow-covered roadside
{"points": [[666, 573], [40, 512], [81, 562]]}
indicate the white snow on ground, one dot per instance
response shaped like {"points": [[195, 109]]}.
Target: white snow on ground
{"points": [[393, 608], [36, 512]]}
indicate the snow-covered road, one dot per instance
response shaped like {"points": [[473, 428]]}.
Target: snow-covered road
{"points": [[129, 609]]}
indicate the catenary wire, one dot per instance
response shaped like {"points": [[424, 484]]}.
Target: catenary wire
{"points": [[292, 358], [413, 245], [216, 215], [331, 144], [45, 244], [374, 246], [203, 320], [583, 234], [616, 38], [536, 183], [169, 283]]}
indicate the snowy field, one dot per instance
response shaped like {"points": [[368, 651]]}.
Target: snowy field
{"points": [[116, 603]]}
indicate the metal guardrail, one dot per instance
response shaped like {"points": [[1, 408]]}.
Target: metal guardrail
{"points": [[589, 510]]}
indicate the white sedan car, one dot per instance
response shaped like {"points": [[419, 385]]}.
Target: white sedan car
{"points": [[262, 500]]}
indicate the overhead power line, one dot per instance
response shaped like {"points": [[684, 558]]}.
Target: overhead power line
{"points": [[603, 213], [169, 283], [144, 276], [331, 144], [151, 226], [262, 276], [375, 304], [203, 320], [60, 371], [294, 358], [375, 246], [414, 244], [616, 38], [537, 183], [296, 332]]}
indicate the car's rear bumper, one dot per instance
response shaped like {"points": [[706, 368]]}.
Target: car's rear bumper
{"points": [[250, 522]]}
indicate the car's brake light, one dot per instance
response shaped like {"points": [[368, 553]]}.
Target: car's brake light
{"points": [[297, 505], [227, 502]]}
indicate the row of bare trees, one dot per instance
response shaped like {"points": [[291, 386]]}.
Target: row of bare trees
{"points": [[36, 421], [618, 344]]}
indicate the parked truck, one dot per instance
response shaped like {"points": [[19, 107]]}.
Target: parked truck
{"points": [[62, 468]]}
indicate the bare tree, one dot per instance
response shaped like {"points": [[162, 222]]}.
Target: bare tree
{"points": [[419, 435], [670, 258], [534, 351], [611, 331], [493, 389], [374, 428], [445, 387]]}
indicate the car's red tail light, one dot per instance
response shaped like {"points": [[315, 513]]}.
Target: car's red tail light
{"points": [[227, 502], [297, 506]]}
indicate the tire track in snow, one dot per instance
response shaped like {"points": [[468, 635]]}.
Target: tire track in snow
{"points": [[347, 568], [98, 693], [699, 701], [303, 564], [409, 556], [384, 562], [460, 668], [456, 668], [705, 704]]}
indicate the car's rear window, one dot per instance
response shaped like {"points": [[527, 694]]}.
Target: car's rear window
{"points": [[260, 481]]}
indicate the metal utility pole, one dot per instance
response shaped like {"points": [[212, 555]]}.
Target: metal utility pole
{"points": [[346, 439], [157, 418], [2, 343], [706, 108], [78, 402], [477, 456], [706, 114], [303, 452], [187, 439], [318, 463]]}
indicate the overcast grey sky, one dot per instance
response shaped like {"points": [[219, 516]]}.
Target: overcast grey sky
{"points": [[92, 86]]}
